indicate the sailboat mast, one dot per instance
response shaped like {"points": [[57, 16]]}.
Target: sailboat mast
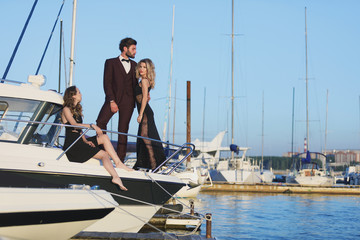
{"points": [[307, 89], [262, 135], [61, 30], [203, 127], [232, 79], [167, 125], [292, 128], [326, 123], [173, 134], [72, 44]]}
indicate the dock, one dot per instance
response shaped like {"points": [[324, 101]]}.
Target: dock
{"points": [[136, 236], [167, 217], [173, 221], [282, 188]]}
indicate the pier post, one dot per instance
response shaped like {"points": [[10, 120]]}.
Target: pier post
{"points": [[208, 218], [188, 118], [191, 207]]}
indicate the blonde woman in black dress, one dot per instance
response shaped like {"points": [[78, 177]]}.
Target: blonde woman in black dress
{"points": [[150, 154], [87, 148]]}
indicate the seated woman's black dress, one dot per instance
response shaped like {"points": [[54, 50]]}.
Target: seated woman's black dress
{"points": [[150, 154], [80, 151]]}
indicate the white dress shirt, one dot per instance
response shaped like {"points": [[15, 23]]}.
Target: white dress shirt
{"points": [[126, 64]]}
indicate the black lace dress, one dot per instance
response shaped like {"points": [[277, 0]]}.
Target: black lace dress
{"points": [[80, 151], [150, 154]]}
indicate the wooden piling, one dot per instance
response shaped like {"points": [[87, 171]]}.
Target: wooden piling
{"points": [[188, 116], [191, 201], [208, 218]]}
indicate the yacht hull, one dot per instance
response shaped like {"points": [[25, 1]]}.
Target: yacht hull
{"points": [[137, 205], [30, 213]]}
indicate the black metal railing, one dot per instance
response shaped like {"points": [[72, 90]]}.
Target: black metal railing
{"points": [[165, 167]]}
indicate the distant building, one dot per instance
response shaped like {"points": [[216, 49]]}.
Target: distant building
{"points": [[345, 157], [342, 157]]}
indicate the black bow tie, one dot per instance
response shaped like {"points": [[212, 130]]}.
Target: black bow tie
{"points": [[126, 60]]}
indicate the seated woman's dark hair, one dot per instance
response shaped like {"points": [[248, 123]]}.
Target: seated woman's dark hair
{"points": [[69, 101]]}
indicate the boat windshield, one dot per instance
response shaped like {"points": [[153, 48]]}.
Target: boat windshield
{"points": [[22, 110], [310, 166]]}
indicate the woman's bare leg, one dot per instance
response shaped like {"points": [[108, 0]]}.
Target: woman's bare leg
{"points": [[144, 133], [110, 168], [105, 141]]}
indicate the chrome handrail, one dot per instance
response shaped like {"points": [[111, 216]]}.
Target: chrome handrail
{"points": [[168, 170]]}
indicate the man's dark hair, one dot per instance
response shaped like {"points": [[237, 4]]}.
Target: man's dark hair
{"points": [[126, 42]]}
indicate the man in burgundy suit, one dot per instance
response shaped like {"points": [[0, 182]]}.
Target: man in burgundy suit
{"points": [[119, 85]]}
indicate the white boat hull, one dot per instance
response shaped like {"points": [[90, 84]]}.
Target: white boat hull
{"points": [[30, 213], [40, 169], [267, 176], [314, 180], [188, 192], [236, 176], [114, 222]]}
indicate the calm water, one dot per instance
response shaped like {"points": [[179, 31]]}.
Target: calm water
{"points": [[279, 216]]}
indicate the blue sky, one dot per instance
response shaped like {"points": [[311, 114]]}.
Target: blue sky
{"points": [[269, 59]]}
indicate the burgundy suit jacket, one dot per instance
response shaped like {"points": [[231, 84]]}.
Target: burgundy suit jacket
{"points": [[115, 78]]}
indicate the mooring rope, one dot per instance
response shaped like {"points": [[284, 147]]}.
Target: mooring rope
{"points": [[200, 216], [133, 215], [153, 180]]}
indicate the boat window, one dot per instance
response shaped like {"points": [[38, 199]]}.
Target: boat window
{"points": [[14, 114], [3, 108], [46, 134], [18, 110]]}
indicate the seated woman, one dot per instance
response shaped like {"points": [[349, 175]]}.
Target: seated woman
{"points": [[87, 148]]}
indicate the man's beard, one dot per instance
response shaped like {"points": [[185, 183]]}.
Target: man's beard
{"points": [[129, 55]]}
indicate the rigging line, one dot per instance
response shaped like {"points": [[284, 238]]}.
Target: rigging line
{"points": [[150, 204], [19, 41], [146, 174], [133, 215], [193, 231], [47, 44], [149, 224]]}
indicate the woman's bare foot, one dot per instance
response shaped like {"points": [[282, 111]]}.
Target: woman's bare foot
{"points": [[119, 182], [123, 166]]}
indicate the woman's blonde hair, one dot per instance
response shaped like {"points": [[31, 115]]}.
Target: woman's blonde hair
{"points": [[69, 101], [150, 67]]}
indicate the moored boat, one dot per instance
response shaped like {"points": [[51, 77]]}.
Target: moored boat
{"points": [[35, 213], [307, 171], [31, 157]]}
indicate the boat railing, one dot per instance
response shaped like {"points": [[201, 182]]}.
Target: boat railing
{"points": [[165, 167], [10, 81]]}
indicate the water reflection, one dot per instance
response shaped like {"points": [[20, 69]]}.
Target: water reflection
{"points": [[280, 216]]}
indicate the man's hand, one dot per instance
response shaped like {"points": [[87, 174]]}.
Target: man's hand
{"points": [[114, 107]]}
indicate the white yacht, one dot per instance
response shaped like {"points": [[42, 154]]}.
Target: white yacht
{"points": [[44, 213], [31, 157]]}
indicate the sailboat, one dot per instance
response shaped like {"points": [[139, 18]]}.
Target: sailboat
{"points": [[308, 172], [235, 169]]}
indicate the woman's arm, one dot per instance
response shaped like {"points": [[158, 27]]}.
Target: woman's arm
{"points": [[69, 118], [144, 89]]}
